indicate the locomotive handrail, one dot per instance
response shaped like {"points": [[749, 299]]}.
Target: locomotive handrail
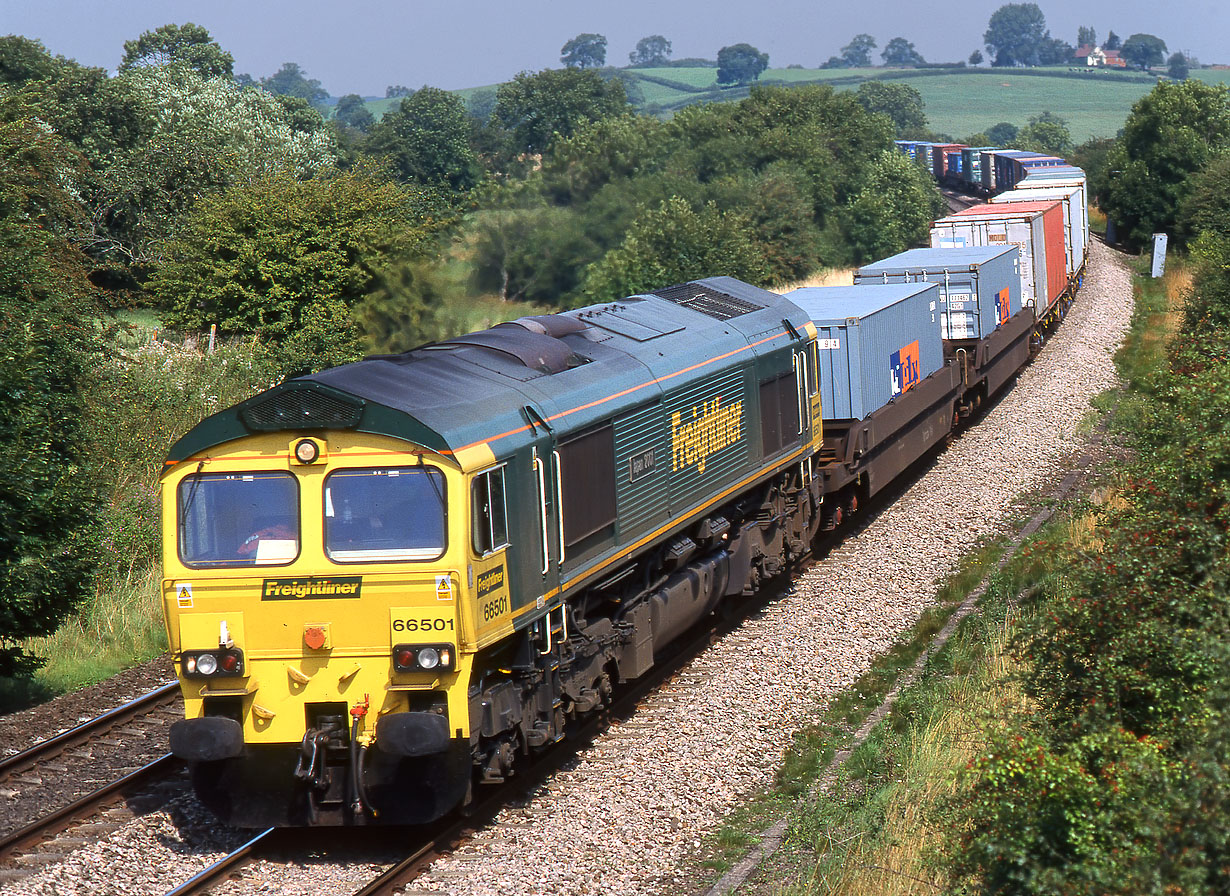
{"points": [[559, 503], [542, 504]]}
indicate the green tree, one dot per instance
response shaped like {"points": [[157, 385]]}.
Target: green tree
{"points": [[975, 58], [1086, 37], [286, 259], [1112, 42], [1046, 132], [23, 59], [538, 109], [536, 253], [652, 50], [396, 91], [857, 53], [893, 211], [427, 138], [604, 151], [1144, 51], [49, 497], [291, 80], [1178, 67], [902, 103], [1002, 134], [186, 44], [584, 51], [740, 64], [206, 133], [673, 244], [1171, 133], [900, 51], [1014, 34], [352, 112], [1206, 207], [1053, 51]]}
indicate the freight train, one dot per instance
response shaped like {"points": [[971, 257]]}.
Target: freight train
{"points": [[384, 582]]}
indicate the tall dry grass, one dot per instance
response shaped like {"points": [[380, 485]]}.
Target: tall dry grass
{"points": [[897, 856], [826, 277]]}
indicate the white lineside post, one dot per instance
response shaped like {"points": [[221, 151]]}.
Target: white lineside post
{"points": [[1159, 254], [213, 335]]}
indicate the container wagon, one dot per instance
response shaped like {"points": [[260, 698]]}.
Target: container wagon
{"points": [[887, 394], [1075, 236]]}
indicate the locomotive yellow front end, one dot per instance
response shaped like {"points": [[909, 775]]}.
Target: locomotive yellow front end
{"points": [[313, 589]]}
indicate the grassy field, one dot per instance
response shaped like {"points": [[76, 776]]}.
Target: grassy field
{"points": [[958, 103], [961, 105]]}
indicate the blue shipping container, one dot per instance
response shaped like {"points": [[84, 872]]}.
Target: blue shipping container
{"points": [[979, 287], [876, 343]]}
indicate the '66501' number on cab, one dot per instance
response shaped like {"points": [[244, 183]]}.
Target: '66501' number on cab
{"points": [[422, 625]]}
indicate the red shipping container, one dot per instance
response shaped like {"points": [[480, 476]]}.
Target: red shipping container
{"points": [[1036, 228], [939, 157]]}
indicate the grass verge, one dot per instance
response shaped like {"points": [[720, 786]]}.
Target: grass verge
{"points": [[815, 746]]}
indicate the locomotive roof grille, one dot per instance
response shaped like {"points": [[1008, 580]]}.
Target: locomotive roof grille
{"points": [[707, 300], [301, 407]]}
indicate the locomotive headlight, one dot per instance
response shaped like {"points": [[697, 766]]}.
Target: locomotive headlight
{"points": [[213, 663], [306, 451], [423, 658]]}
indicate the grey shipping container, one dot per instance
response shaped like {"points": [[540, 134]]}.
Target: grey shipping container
{"points": [[875, 343], [980, 287]]}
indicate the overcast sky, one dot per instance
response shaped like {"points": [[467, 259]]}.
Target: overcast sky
{"points": [[363, 46]]}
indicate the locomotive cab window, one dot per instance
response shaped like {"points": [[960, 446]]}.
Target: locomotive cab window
{"points": [[238, 519], [384, 514], [489, 513]]}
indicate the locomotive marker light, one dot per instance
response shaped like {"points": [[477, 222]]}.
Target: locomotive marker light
{"points": [[213, 664]]}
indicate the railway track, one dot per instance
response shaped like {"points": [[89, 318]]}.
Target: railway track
{"points": [[77, 775]]}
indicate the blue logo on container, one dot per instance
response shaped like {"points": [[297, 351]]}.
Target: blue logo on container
{"points": [[904, 368]]}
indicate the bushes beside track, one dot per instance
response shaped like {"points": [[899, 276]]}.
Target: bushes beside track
{"points": [[1117, 778]]}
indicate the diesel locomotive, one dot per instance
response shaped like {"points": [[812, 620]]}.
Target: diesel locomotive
{"points": [[385, 581]]}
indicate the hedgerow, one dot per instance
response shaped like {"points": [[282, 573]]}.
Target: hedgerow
{"points": [[1118, 781]]}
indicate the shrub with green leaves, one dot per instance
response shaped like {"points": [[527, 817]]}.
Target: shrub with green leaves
{"points": [[49, 496], [287, 260], [1118, 780]]}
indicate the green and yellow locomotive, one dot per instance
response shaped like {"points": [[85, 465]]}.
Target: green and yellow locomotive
{"points": [[385, 581]]}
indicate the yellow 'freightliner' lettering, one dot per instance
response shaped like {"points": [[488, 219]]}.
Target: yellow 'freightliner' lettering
{"points": [[711, 428]]}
